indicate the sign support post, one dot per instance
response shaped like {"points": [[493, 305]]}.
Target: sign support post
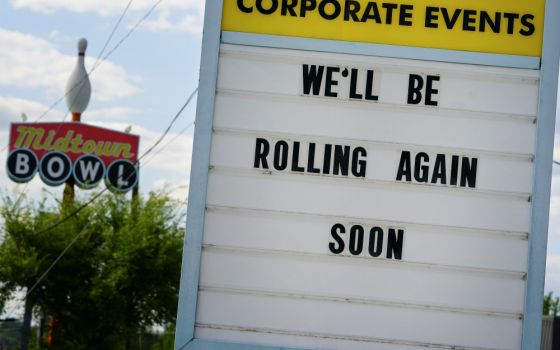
{"points": [[546, 121]]}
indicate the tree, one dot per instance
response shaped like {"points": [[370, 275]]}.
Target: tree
{"points": [[28, 249], [139, 280], [121, 275], [551, 305]]}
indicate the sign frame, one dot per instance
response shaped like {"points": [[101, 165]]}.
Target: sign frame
{"points": [[540, 202]]}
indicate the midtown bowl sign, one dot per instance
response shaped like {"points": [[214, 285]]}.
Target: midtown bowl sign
{"points": [[61, 151]]}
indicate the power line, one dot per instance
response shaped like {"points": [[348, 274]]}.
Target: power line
{"points": [[170, 124], [114, 30], [132, 29], [30, 290], [182, 131], [94, 67], [94, 198], [100, 59]]}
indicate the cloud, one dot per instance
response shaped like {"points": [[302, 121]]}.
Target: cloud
{"points": [[552, 274], [32, 62], [554, 205], [104, 8], [11, 109], [163, 158], [177, 190], [165, 22], [113, 113], [187, 14]]}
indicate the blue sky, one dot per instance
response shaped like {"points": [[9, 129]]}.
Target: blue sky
{"points": [[142, 84]]}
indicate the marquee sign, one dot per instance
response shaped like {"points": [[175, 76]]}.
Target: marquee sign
{"points": [[59, 151], [370, 175]]}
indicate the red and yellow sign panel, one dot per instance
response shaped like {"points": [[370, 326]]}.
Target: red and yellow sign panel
{"points": [[489, 26], [75, 140]]}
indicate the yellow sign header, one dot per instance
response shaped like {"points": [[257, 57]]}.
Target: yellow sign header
{"points": [[512, 27]]}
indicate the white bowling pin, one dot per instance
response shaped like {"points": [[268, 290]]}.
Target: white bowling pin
{"points": [[78, 87]]}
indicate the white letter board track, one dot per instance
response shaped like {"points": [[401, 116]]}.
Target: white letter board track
{"points": [[370, 175]]}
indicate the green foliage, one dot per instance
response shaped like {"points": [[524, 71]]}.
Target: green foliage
{"points": [[551, 305], [166, 341], [119, 277]]}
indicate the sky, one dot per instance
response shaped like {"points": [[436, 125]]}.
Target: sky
{"points": [[142, 84]]}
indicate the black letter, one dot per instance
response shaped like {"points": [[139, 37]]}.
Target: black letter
{"points": [[369, 87], [404, 167], [468, 20], [421, 172], [350, 9], [450, 22], [307, 5], [264, 11], [329, 83], [530, 26], [394, 244], [341, 160], [511, 17], [405, 15], [371, 7], [289, 7], [468, 172], [281, 148], [359, 166], [324, 13], [415, 85], [353, 83], [389, 12], [261, 151], [243, 8], [327, 159], [431, 91], [312, 77], [356, 245], [440, 171], [311, 160], [333, 246], [454, 170], [429, 23], [375, 241], [295, 159], [493, 24]]}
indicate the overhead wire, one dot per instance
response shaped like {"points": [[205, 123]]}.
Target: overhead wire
{"points": [[94, 198], [97, 62], [99, 194], [100, 59], [181, 132], [53, 264]]}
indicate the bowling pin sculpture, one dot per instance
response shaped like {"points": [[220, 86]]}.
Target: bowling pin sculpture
{"points": [[78, 87]]}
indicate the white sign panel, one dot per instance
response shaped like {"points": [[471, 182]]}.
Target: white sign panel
{"points": [[355, 201], [337, 217]]}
